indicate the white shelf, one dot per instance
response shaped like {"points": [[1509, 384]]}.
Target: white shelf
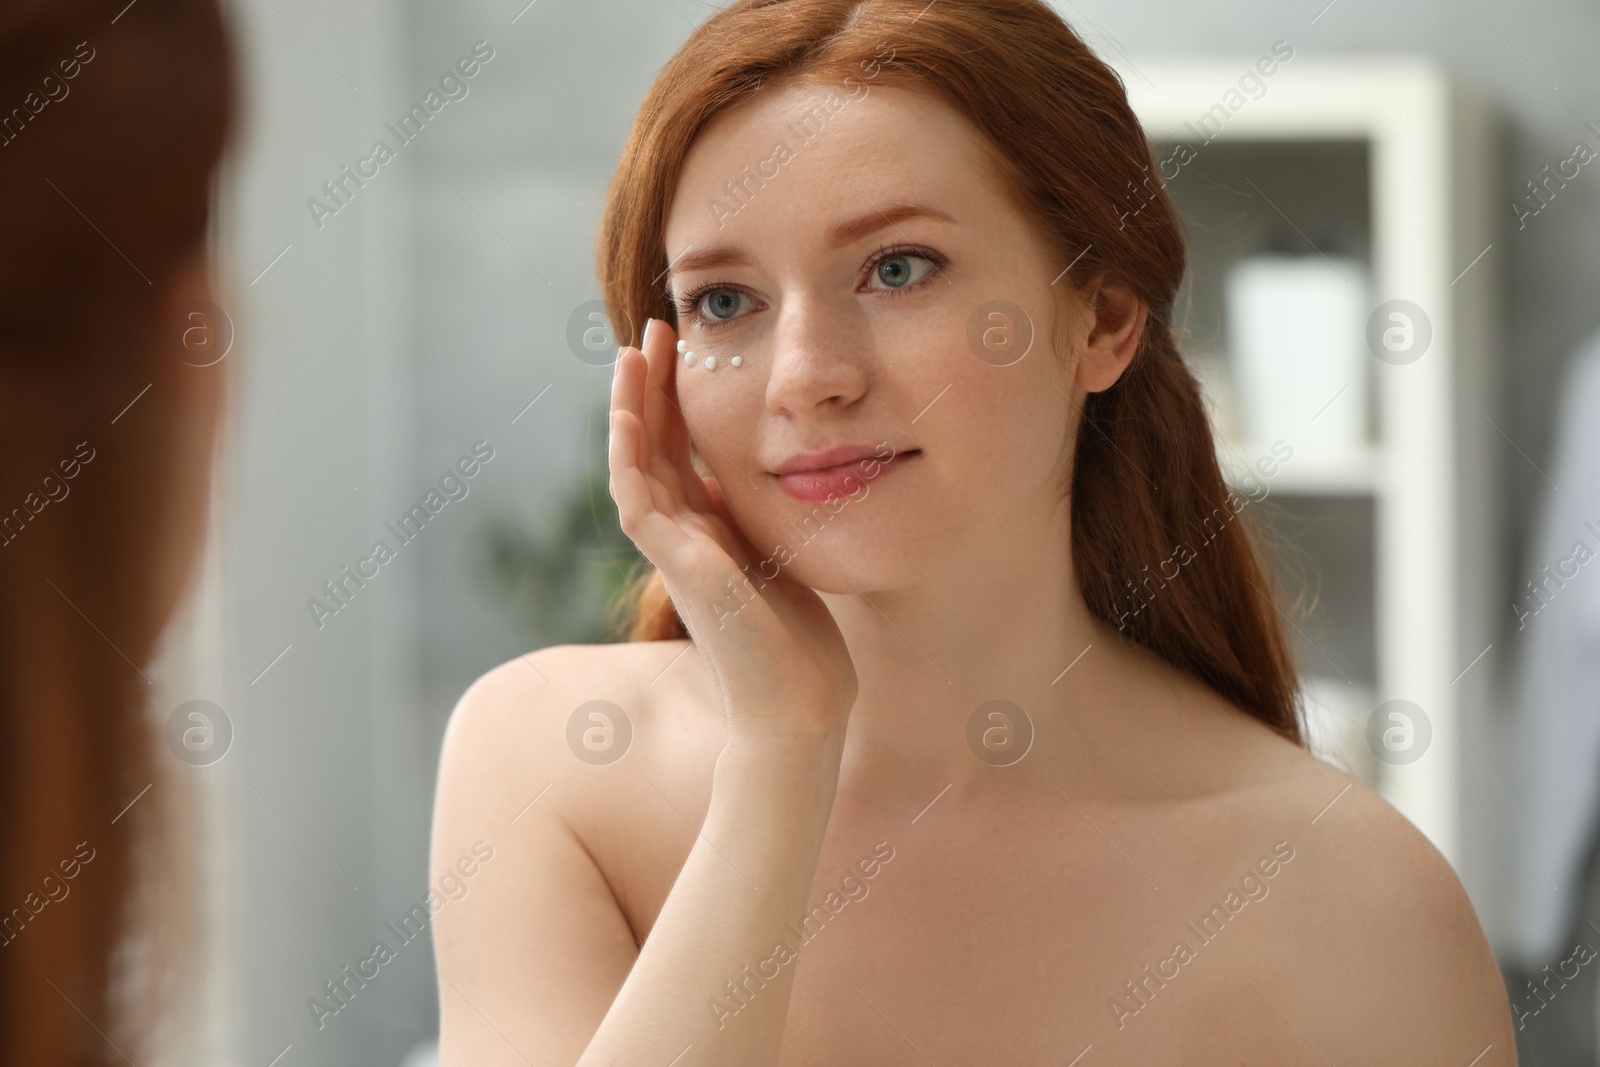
{"points": [[1357, 472], [1432, 471]]}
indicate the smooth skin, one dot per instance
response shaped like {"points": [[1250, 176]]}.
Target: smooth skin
{"points": [[822, 726]]}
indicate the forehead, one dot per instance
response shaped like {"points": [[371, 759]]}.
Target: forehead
{"points": [[794, 159]]}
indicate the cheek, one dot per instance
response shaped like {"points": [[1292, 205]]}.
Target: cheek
{"points": [[723, 417], [998, 357], [997, 466], [721, 408], [1011, 425]]}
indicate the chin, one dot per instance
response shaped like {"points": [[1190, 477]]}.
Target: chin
{"points": [[842, 561]]}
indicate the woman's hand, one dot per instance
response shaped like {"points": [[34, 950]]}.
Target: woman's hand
{"points": [[786, 686], [778, 659]]}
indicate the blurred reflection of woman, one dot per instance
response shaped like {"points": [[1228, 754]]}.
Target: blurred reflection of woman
{"points": [[1005, 764], [112, 121]]}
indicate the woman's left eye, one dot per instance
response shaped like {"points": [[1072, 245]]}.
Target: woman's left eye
{"points": [[898, 271], [723, 304]]}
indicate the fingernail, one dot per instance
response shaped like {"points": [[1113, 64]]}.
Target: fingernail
{"points": [[649, 326]]}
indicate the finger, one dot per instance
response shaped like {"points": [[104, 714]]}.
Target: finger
{"points": [[671, 436], [656, 535], [629, 388], [652, 494], [682, 463], [619, 458], [694, 484], [717, 504], [657, 346], [663, 422], [678, 429], [624, 451], [699, 574], [625, 388]]}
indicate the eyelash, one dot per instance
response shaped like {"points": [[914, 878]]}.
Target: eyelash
{"points": [[688, 305]]}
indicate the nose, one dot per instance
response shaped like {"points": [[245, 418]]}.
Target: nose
{"points": [[820, 361]]}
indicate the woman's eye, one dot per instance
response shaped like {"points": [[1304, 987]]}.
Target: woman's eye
{"points": [[898, 271], [715, 306], [720, 305]]}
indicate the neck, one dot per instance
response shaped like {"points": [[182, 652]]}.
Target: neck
{"points": [[1004, 625]]}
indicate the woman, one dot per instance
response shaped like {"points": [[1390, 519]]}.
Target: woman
{"points": [[114, 123], [949, 776]]}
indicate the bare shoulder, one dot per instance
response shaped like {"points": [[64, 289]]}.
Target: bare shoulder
{"points": [[564, 713], [555, 803], [1374, 952], [504, 731], [610, 745]]}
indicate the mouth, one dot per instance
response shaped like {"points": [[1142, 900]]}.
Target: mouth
{"points": [[818, 481]]}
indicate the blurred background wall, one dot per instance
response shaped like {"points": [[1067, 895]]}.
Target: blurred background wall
{"points": [[379, 343]]}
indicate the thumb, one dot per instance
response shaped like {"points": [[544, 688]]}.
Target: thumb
{"points": [[719, 508], [719, 505], [744, 551]]}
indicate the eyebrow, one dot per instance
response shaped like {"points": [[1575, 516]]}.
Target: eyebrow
{"points": [[836, 236]]}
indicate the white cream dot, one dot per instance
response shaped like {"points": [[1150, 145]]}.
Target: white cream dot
{"points": [[683, 346], [688, 357], [711, 363], [737, 361]]}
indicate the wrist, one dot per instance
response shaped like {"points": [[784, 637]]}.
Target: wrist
{"points": [[797, 752], [805, 767]]}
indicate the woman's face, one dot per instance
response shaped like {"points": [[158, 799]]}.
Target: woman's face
{"points": [[856, 278]]}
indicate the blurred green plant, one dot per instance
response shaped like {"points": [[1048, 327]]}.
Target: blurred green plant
{"points": [[562, 583]]}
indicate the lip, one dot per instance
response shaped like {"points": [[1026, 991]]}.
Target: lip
{"points": [[841, 471], [837, 456]]}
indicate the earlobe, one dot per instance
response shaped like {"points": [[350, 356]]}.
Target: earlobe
{"points": [[1117, 322]]}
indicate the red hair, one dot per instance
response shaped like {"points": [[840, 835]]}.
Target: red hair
{"points": [[1066, 148], [118, 121]]}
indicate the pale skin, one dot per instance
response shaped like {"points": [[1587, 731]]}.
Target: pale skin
{"points": [[829, 715]]}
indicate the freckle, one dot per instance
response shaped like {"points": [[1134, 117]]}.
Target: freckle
{"points": [[711, 363]]}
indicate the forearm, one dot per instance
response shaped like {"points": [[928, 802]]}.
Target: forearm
{"points": [[748, 873]]}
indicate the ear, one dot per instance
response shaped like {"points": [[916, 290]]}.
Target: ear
{"points": [[1116, 323]]}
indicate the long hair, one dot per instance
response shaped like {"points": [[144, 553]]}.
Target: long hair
{"points": [[113, 118], [1070, 151]]}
